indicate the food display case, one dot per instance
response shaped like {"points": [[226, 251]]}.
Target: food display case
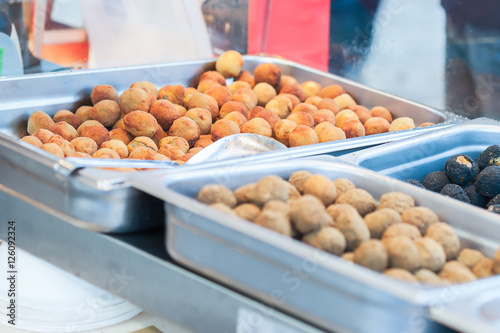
{"points": [[138, 221]]}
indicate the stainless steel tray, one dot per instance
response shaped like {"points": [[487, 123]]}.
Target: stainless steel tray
{"points": [[312, 285], [104, 199], [415, 157]]}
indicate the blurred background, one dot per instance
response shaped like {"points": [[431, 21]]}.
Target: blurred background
{"points": [[442, 53]]}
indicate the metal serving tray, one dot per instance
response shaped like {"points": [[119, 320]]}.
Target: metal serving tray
{"points": [[416, 157], [104, 199], [312, 285]]}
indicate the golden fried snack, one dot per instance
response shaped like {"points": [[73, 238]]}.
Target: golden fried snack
{"points": [[67, 116], [140, 123], [229, 63], [134, 99], [37, 120]]}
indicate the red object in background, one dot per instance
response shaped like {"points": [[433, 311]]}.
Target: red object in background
{"points": [[297, 30]]}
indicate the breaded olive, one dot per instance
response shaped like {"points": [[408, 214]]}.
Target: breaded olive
{"points": [[327, 239], [202, 118], [308, 214], [420, 217], [403, 253], [270, 188], [186, 128], [106, 112], [379, 220], [456, 272], [431, 254], [67, 116], [360, 199], [269, 73], [229, 63], [397, 201], [173, 93], [257, 126], [401, 229], [470, 257], [134, 99], [65, 130], [401, 274], [37, 120], [214, 193], [351, 224], [140, 123], [103, 92], [275, 221], [302, 135], [372, 254], [444, 234], [84, 145], [247, 211], [321, 187], [299, 178]]}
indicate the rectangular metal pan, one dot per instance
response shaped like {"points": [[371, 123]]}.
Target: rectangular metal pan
{"points": [[314, 286], [415, 157], [104, 199]]}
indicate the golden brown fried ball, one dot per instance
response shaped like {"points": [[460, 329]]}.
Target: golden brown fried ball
{"points": [[53, 149], [37, 120], [142, 152], [360, 199], [278, 206], [314, 100], [282, 130], [84, 145], [336, 209], [269, 73], [302, 118], [244, 193], [329, 104], [215, 193], [67, 116], [401, 229], [237, 85], [173, 93], [246, 96], [193, 151], [420, 217], [172, 152], [222, 128], [270, 188], [302, 135], [299, 178], [202, 118], [215, 76], [188, 93], [65, 130], [402, 123], [280, 105], [323, 115], [428, 277], [257, 126], [120, 134], [376, 125], [106, 153], [308, 214], [287, 80], [328, 132], [349, 256], [331, 91], [206, 102], [206, 85], [444, 235], [134, 99], [269, 116], [431, 254], [470, 257], [150, 86], [247, 211], [397, 201], [265, 92], [66, 146], [106, 112], [321, 187], [382, 112], [351, 224], [165, 113], [94, 130], [159, 134], [186, 128], [345, 101], [43, 135], [103, 92], [456, 272], [363, 113], [117, 146], [247, 77], [177, 141], [293, 89], [343, 185], [310, 88], [32, 140], [221, 94], [142, 141], [379, 220], [83, 113], [403, 253], [327, 239], [304, 107], [140, 123], [118, 124], [345, 116], [232, 106], [484, 268], [353, 129], [292, 98], [229, 63], [275, 221], [401, 274], [203, 143], [372, 254]]}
